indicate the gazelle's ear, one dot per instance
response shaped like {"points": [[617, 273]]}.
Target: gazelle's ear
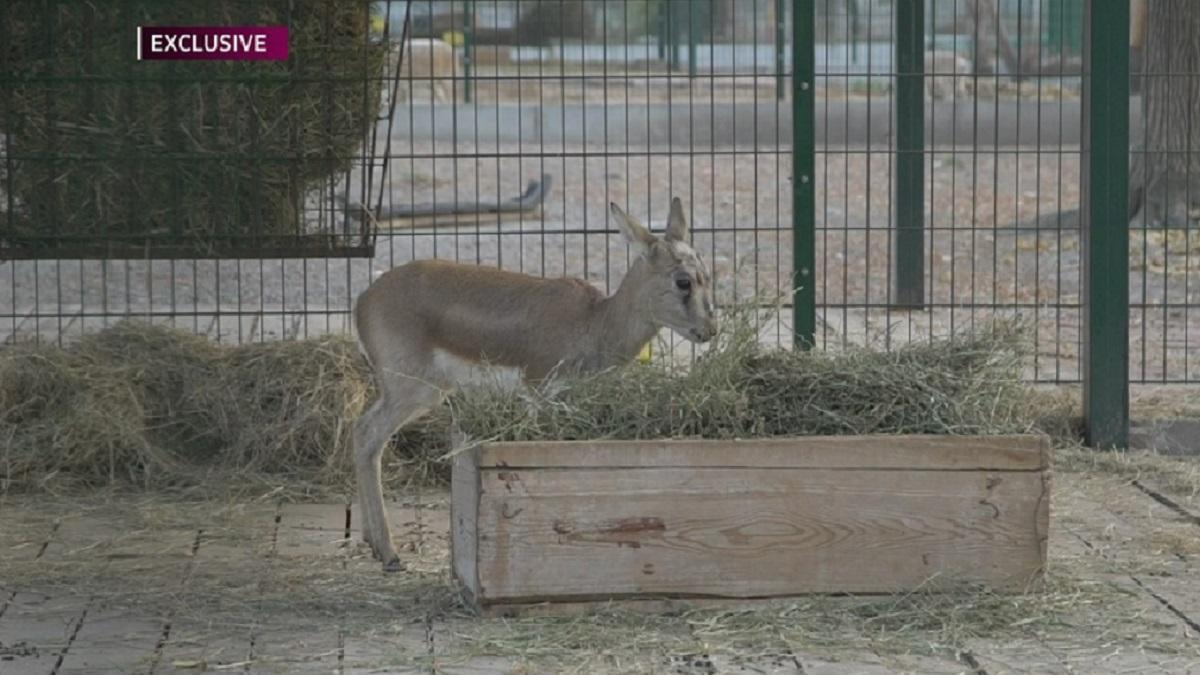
{"points": [[635, 233], [677, 227]]}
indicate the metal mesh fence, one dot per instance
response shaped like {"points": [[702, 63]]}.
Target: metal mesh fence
{"points": [[1164, 267], [947, 173], [934, 226]]}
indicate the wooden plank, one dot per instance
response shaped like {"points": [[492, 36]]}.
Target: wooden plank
{"points": [[747, 533], [948, 453], [464, 510]]}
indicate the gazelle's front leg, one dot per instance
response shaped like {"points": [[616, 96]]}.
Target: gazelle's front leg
{"points": [[397, 405]]}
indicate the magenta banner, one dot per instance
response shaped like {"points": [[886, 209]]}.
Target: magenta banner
{"points": [[213, 43]]}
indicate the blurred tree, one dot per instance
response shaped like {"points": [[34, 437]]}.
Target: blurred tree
{"points": [[1165, 179]]}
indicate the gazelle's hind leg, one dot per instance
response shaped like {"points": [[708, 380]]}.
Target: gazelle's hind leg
{"points": [[402, 399]]}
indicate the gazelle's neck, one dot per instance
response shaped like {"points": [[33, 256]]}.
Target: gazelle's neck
{"points": [[623, 324]]}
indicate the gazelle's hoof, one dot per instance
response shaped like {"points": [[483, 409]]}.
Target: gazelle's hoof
{"points": [[393, 565]]}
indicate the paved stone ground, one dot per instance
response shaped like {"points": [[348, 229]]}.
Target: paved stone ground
{"points": [[151, 583]]}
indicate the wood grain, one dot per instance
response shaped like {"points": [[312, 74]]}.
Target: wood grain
{"points": [[464, 509], [949, 453], [581, 522], [712, 533]]}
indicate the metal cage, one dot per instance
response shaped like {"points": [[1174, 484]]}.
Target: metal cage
{"points": [[106, 156]]}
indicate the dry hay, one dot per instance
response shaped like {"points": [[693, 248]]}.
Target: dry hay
{"points": [[967, 385], [155, 407], [108, 147]]}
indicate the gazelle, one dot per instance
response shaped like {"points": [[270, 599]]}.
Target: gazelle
{"points": [[425, 326]]}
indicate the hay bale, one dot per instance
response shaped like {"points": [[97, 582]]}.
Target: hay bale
{"points": [[106, 147]]}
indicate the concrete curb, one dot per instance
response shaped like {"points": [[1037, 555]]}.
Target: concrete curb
{"points": [[1169, 437]]}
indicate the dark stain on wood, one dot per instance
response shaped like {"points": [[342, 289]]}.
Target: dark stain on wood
{"points": [[509, 477], [635, 525], [625, 532]]}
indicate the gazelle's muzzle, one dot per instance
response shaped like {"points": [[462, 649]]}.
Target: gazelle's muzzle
{"points": [[704, 333]]}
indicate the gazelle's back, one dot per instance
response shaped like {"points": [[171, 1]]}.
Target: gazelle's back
{"points": [[473, 313]]}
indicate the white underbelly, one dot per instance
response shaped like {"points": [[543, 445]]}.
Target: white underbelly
{"points": [[464, 372]]}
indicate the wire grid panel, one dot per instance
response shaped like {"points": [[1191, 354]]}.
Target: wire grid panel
{"points": [[174, 191], [995, 205], [627, 101], [1165, 194], [633, 101], [635, 110], [998, 232]]}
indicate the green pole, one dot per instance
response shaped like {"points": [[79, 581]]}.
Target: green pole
{"points": [[660, 27], [780, 40], [909, 184], [468, 47], [673, 34], [855, 27], [1105, 201], [804, 150], [692, 12]]}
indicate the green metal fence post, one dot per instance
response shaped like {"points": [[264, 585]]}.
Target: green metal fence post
{"points": [[908, 289], [468, 47], [1063, 25], [692, 12], [673, 33], [1105, 202], [780, 42], [660, 27], [855, 18], [804, 149]]}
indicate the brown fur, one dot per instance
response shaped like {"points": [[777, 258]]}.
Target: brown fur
{"points": [[538, 326]]}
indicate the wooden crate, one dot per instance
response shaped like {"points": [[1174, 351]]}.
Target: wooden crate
{"points": [[586, 521]]}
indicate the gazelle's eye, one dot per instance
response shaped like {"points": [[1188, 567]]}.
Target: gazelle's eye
{"points": [[683, 284]]}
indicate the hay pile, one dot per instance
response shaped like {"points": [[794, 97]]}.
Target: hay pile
{"points": [[970, 385], [157, 407], [153, 406], [106, 146]]}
